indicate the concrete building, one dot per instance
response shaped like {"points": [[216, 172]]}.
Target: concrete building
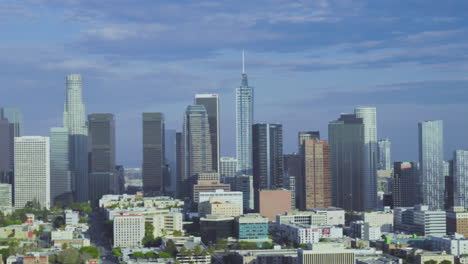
{"points": [[334, 216], [315, 184], [244, 121], [405, 191], [153, 153], [346, 139], [227, 167], [217, 206], [266, 256], [244, 184], [363, 230], [431, 157], [273, 202], [381, 219], [208, 182], [231, 197], [326, 253], [6, 198], [72, 217], [211, 104], [457, 221], [32, 171], [129, 230], [429, 223], [74, 119], [268, 167], [165, 222], [302, 217], [384, 159], [456, 245], [251, 226], [438, 258]]}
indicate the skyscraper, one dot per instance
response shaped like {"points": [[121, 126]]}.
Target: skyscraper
{"points": [[369, 118], [316, 183], [180, 175], [227, 167], [405, 184], [60, 175], [384, 160], [304, 135], [196, 142], [211, 104], [268, 164], [101, 141], [74, 119], [460, 177], [6, 157], [170, 149], [244, 121], [14, 117], [153, 153], [32, 171], [431, 157], [346, 138]]}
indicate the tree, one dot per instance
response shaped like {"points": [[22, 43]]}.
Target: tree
{"points": [[303, 245], [150, 255], [117, 252], [164, 255], [183, 250], [171, 247], [59, 222], [138, 254], [267, 245], [91, 251], [177, 233], [197, 250], [446, 262], [430, 262]]}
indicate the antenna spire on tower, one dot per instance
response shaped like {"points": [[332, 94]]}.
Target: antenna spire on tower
{"points": [[243, 62]]}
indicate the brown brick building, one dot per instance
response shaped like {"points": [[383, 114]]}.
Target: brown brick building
{"points": [[457, 221]]}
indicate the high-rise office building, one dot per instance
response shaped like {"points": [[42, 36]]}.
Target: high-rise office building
{"points": [[32, 171], [6, 157], [211, 104], [346, 139], [304, 135], [384, 160], [14, 118], [268, 166], [179, 190], [170, 153], [405, 191], [431, 157], [153, 153], [369, 119], [101, 139], [60, 175], [227, 167], [315, 183], [74, 119], [196, 143], [244, 121], [460, 178]]}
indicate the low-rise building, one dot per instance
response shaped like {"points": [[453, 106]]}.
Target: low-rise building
{"points": [[129, 230], [456, 245], [215, 227], [332, 253], [165, 222], [61, 235], [457, 221], [334, 216], [197, 259], [128, 201], [219, 207], [303, 234], [301, 217], [273, 202], [72, 217], [266, 256], [382, 219], [251, 226], [429, 223], [362, 230], [231, 197], [423, 258]]}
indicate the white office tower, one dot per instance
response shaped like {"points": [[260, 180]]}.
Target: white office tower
{"points": [[60, 176], [460, 178], [32, 171], [431, 158], [244, 121], [74, 118], [369, 118], [129, 230], [384, 159]]}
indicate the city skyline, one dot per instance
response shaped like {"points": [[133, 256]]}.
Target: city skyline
{"points": [[425, 57]]}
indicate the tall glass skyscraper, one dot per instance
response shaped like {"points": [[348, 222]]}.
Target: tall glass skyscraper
{"points": [[60, 175], [384, 159], [153, 153], [244, 121], [196, 142], [74, 119], [170, 154], [431, 158], [14, 118], [460, 178], [211, 104], [346, 139], [101, 142], [369, 118], [268, 165]]}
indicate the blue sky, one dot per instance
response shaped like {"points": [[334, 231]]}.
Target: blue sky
{"points": [[309, 61]]}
